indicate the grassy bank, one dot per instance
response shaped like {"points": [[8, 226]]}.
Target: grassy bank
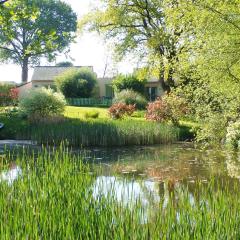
{"points": [[53, 198], [101, 133], [79, 131]]}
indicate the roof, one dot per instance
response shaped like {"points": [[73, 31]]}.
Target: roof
{"points": [[48, 73], [22, 84]]}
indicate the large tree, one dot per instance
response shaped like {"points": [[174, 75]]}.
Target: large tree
{"points": [[140, 26], [30, 29], [213, 54]]}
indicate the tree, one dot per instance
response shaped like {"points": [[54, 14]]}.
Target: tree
{"points": [[130, 81], [140, 26], [76, 83], [30, 29], [213, 53], [64, 64]]}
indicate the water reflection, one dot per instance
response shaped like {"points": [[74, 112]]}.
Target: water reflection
{"points": [[125, 191], [11, 174], [152, 173]]}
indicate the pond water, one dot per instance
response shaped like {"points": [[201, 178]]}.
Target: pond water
{"points": [[151, 173]]}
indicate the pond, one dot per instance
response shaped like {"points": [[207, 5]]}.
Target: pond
{"points": [[151, 173]]}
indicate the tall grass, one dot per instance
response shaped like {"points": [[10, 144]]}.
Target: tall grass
{"points": [[101, 133], [53, 199]]}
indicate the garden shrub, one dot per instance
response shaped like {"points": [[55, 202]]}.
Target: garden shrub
{"points": [[40, 103], [168, 108], [131, 81], [119, 110], [76, 83], [139, 114], [212, 130], [8, 95], [91, 114], [131, 97], [64, 64]]}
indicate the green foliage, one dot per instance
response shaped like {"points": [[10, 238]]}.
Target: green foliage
{"points": [[64, 64], [100, 132], [91, 114], [30, 29], [55, 185], [130, 81], [14, 124], [76, 83], [212, 130], [42, 103], [140, 28], [131, 97]]}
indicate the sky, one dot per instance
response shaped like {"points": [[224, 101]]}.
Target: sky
{"points": [[89, 50]]}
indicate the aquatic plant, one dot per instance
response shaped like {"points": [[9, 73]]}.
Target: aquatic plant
{"points": [[53, 198], [100, 133]]}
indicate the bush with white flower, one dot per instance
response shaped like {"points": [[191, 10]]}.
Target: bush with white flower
{"points": [[42, 103]]}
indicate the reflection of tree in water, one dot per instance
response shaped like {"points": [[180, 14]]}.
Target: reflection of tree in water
{"points": [[233, 164], [174, 171]]}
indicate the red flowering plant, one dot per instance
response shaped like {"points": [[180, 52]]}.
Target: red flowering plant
{"points": [[14, 95], [119, 110], [168, 108], [8, 95]]}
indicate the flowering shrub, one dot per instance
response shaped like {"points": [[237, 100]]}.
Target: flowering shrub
{"points": [[14, 94], [41, 103], [8, 95], [157, 111], [233, 134], [119, 110], [168, 108]]}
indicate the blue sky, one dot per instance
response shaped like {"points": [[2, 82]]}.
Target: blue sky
{"points": [[89, 50]]}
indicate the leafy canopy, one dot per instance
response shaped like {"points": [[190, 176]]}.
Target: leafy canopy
{"points": [[30, 29], [140, 26], [76, 83], [129, 81]]}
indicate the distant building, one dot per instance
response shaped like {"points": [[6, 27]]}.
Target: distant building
{"points": [[43, 76]]}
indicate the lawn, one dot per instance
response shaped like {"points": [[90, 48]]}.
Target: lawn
{"points": [[79, 112]]}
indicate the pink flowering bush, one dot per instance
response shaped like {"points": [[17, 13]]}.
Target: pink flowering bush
{"points": [[168, 108], [119, 110]]}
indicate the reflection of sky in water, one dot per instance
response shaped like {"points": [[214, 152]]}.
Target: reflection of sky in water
{"points": [[125, 191], [11, 175], [142, 173]]}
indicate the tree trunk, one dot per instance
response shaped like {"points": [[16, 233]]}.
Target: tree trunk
{"points": [[25, 70], [166, 88]]}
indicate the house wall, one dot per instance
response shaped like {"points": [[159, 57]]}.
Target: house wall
{"points": [[160, 91], [99, 91], [102, 82], [24, 89]]}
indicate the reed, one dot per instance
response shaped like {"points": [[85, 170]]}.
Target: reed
{"points": [[53, 199], [101, 133]]}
